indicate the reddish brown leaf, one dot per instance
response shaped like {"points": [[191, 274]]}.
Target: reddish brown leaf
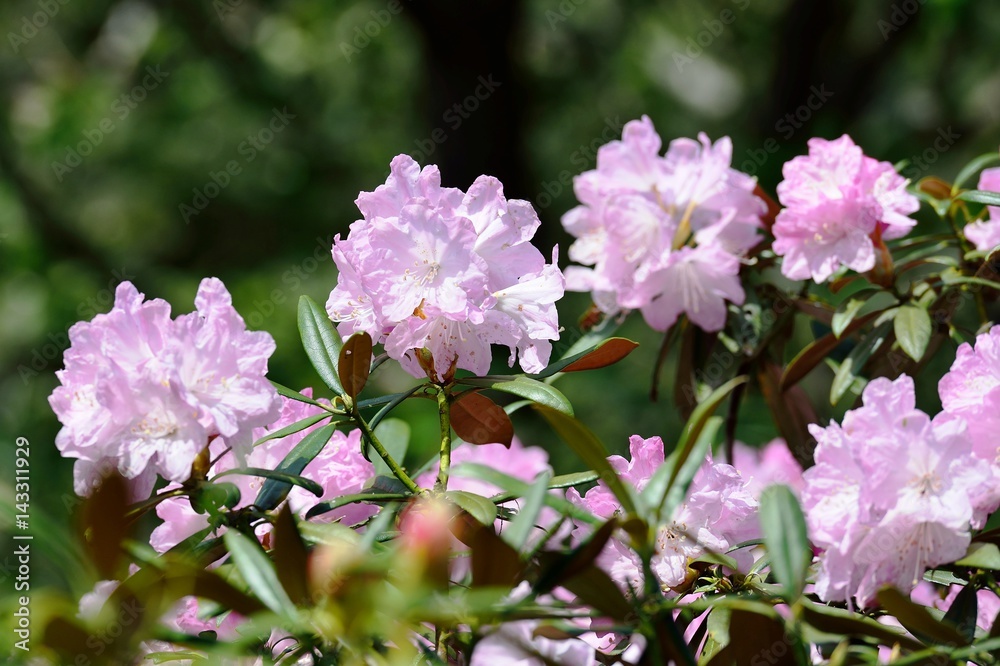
{"points": [[607, 353], [479, 420], [814, 353], [772, 208], [104, 524], [355, 363], [291, 559]]}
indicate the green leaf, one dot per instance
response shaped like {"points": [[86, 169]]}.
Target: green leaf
{"points": [[344, 500], [980, 196], [913, 330], [395, 400], [524, 523], [355, 363], [973, 167], [292, 479], [917, 619], [950, 278], [962, 612], [480, 508], [275, 490], [591, 450], [517, 488], [785, 535], [662, 500], [538, 392], [292, 394], [574, 479], [856, 359], [258, 572], [845, 315], [321, 342], [690, 436], [605, 353], [842, 622], [395, 437], [298, 426], [211, 498], [981, 556], [817, 351]]}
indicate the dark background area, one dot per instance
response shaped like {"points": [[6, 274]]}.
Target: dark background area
{"points": [[165, 142]]}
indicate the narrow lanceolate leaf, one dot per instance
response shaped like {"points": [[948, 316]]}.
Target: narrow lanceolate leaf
{"points": [[291, 559], [685, 464], [258, 572], [845, 315], [275, 490], [355, 363], [538, 392], [981, 556], [963, 612], [786, 539], [395, 437], [981, 196], [913, 330], [607, 352], [475, 505], [298, 426], [295, 395], [524, 523], [592, 451], [276, 475], [321, 342], [973, 167], [479, 420], [856, 359]]}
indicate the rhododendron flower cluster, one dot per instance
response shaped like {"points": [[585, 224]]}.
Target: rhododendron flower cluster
{"points": [[339, 469], [893, 493], [146, 393], [838, 204], [985, 234], [450, 272], [771, 464], [664, 234], [970, 390], [718, 513]]}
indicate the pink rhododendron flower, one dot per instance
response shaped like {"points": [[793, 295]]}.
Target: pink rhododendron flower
{"points": [[771, 464], [339, 469], [836, 199], [985, 234], [146, 394], [718, 514], [892, 493], [663, 234], [970, 390], [515, 644], [436, 269]]}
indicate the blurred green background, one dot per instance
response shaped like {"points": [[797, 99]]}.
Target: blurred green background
{"points": [[165, 142]]}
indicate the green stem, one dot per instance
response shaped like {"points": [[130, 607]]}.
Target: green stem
{"points": [[444, 410], [394, 466]]}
